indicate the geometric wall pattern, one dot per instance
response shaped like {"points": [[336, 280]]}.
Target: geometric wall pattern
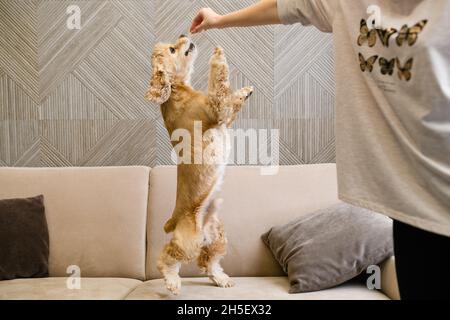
{"points": [[76, 97]]}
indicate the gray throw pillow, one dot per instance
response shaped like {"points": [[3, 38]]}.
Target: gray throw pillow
{"points": [[331, 246], [24, 240]]}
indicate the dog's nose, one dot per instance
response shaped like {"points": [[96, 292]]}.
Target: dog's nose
{"points": [[191, 46], [182, 36]]}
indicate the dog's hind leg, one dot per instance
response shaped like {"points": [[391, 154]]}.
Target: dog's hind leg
{"points": [[213, 251], [185, 246], [169, 264]]}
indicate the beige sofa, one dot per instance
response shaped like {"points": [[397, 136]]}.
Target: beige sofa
{"points": [[108, 222]]}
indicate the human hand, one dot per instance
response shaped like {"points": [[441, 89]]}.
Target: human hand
{"points": [[206, 19]]}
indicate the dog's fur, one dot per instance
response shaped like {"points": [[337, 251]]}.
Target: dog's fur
{"points": [[197, 231]]}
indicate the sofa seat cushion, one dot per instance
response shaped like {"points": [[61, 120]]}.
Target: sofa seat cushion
{"points": [[56, 289], [249, 288]]}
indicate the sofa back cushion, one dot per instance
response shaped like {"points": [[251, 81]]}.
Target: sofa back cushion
{"points": [[96, 216], [253, 203]]}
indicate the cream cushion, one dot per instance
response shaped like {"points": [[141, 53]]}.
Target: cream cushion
{"points": [[253, 203], [56, 289], [253, 288], [96, 216]]}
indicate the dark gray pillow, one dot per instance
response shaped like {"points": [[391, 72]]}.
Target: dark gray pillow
{"points": [[331, 246], [24, 242]]}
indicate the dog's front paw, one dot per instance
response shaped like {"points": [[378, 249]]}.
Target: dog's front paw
{"points": [[218, 51], [244, 93], [222, 280], [218, 56], [248, 91], [173, 284]]}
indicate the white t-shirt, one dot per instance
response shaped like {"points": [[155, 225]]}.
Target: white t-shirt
{"points": [[392, 103]]}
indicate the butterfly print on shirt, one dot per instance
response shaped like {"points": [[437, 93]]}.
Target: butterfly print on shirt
{"points": [[410, 35], [367, 64], [404, 72], [366, 34], [387, 66]]}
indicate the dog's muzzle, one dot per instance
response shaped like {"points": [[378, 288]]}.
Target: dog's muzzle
{"points": [[191, 45], [191, 48]]}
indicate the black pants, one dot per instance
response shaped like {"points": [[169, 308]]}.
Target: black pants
{"points": [[422, 262]]}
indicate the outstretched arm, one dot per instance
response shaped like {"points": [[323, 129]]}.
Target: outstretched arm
{"points": [[262, 13]]}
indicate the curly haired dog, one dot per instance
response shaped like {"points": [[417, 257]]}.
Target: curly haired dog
{"points": [[197, 231]]}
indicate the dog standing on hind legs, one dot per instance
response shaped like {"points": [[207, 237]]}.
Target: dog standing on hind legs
{"points": [[198, 234]]}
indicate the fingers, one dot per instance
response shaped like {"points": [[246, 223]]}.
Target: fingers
{"points": [[199, 28], [197, 22], [204, 20]]}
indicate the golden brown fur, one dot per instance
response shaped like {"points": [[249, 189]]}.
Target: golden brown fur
{"points": [[197, 230]]}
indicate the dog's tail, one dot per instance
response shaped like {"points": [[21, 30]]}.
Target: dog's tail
{"points": [[170, 225]]}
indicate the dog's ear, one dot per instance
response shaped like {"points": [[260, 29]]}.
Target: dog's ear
{"points": [[159, 89]]}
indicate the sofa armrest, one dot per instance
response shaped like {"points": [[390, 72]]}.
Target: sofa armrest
{"points": [[389, 279]]}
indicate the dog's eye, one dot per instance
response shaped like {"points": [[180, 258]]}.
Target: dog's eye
{"points": [[172, 50]]}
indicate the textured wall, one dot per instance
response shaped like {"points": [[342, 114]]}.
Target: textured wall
{"points": [[75, 97]]}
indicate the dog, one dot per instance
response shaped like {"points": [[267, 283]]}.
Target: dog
{"points": [[197, 231]]}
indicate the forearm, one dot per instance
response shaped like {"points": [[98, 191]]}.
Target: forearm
{"points": [[262, 13]]}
